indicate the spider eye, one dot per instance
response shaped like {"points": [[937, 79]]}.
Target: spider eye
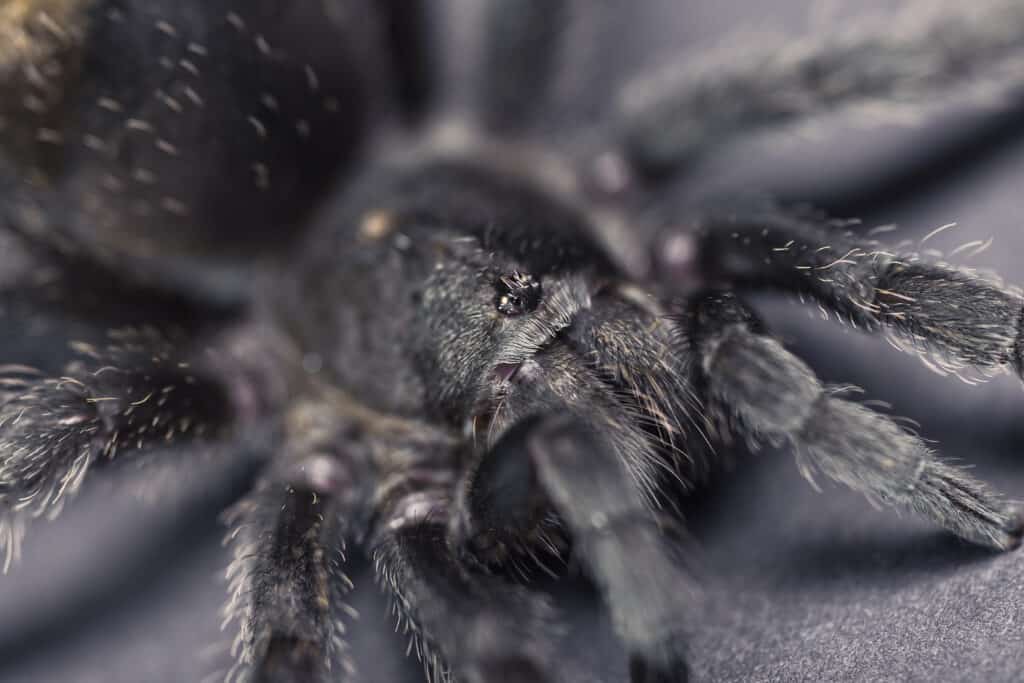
{"points": [[517, 294]]}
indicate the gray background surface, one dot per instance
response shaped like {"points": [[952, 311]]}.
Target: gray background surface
{"points": [[805, 586]]}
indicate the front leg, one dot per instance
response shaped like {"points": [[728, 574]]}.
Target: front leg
{"points": [[569, 446], [461, 620], [751, 381], [287, 580], [959, 321], [653, 598], [138, 392], [930, 55]]}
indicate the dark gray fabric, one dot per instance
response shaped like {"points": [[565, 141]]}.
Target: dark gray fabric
{"points": [[805, 586]]}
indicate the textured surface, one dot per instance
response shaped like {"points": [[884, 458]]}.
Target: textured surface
{"points": [[805, 586]]}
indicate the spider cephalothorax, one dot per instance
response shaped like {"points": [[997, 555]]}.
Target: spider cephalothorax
{"points": [[487, 346]]}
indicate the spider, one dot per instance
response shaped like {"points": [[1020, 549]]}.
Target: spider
{"points": [[474, 347]]}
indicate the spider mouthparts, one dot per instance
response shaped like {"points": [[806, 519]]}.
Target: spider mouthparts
{"points": [[509, 373], [479, 423], [504, 372]]}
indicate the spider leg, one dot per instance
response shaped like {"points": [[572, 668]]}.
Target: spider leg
{"points": [[475, 625], [650, 593], [287, 579], [484, 628], [411, 36], [287, 582], [770, 393], [915, 60], [519, 61], [956, 319], [116, 401], [581, 460]]}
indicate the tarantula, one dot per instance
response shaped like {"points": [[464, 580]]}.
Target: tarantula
{"points": [[489, 346]]}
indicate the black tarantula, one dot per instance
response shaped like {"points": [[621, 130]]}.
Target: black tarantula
{"points": [[491, 346]]}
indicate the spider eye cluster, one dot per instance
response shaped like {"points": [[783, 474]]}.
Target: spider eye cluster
{"points": [[517, 293]]}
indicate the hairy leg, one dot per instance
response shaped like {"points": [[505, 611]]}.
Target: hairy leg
{"points": [[653, 599], [459, 618], [288, 586], [412, 36], [749, 378], [918, 59], [565, 439], [287, 579], [520, 60], [957, 319], [136, 393]]}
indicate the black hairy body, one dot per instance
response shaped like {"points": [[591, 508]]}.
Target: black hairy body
{"points": [[476, 351]]}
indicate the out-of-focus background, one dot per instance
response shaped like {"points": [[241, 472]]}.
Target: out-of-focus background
{"points": [[805, 585]]}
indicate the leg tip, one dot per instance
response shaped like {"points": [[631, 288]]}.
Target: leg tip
{"points": [[647, 670], [506, 648], [508, 669], [1014, 531]]}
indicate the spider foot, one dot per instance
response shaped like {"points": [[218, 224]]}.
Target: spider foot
{"points": [[669, 667], [491, 658], [966, 507]]}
